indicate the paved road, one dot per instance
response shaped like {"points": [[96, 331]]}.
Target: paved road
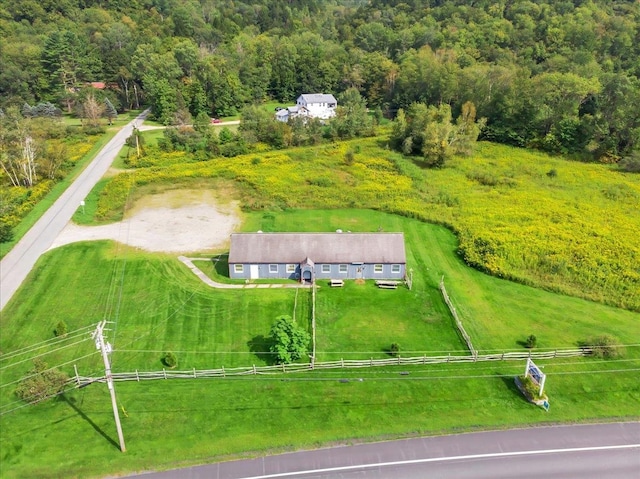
{"points": [[16, 265], [599, 451]]}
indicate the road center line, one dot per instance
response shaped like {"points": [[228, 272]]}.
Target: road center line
{"points": [[445, 459]]}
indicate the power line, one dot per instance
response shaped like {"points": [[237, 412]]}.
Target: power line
{"points": [[48, 369], [43, 354], [42, 344], [178, 309], [2, 413]]}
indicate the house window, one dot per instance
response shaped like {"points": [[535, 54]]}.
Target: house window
{"points": [[291, 268], [273, 268], [238, 268], [377, 268], [343, 268], [326, 268], [395, 268]]}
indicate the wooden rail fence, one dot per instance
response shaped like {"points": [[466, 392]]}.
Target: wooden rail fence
{"points": [[463, 332], [80, 381]]}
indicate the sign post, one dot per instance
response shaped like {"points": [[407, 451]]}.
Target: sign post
{"points": [[536, 375]]}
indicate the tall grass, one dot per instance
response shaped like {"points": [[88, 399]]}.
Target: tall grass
{"points": [[573, 232]]}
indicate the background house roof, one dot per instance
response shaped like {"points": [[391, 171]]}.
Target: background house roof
{"points": [[260, 248], [318, 98]]}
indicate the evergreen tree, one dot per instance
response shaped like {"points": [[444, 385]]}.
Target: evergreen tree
{"points": [[110, 111]]}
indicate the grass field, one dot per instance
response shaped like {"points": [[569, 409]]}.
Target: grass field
{"points": [[179, 423], [573, 231], [159, 305]]}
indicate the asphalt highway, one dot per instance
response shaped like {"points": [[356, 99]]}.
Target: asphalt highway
{"points": [[16, 265], [599, 451]]}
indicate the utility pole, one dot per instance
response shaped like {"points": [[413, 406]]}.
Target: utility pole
{"points": [[105, 348]]}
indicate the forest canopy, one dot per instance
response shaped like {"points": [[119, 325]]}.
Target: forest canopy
{"points": [[561, 76]]}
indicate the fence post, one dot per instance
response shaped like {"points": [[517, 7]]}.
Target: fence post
{"points": [[137, 376], [194, 373], [502, 359], [342, 362], [448, 357], [371, 362], [283, 368], [398, 359], [555, 353], [164, 371], [223, 375], [254, 370], [424, 359]]}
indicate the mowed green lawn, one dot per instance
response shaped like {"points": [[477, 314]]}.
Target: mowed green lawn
{"points": [[177, 423], [156, 302], [159, 305], [498, 314]]}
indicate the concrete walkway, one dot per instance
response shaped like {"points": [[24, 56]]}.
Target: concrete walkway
{"points": [[205, 279]]}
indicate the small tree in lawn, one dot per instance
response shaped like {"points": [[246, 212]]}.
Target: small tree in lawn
{"points": [[531, 341], [60, 330], [169, 359], [289, 340], [41, 383], [92, 110], [110, 111]]}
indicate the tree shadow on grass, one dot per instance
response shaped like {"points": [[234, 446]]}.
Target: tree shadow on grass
{"points": [[71, 403], [260, 346]]}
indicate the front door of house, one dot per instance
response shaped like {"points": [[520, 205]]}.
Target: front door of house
{"points": [[306, 275], [254, 271]]}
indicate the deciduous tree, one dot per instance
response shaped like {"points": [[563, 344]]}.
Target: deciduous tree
{"points": [[290, 341], [41, 383]]}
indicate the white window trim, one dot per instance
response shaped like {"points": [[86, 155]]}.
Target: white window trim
{"points": [[396, 268], [343, 269], [238, 268], [273, 268], [326, 268], [375, 268], [291, 268]]}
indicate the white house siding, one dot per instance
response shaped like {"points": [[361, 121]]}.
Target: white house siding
{"points": [[310, 105]]}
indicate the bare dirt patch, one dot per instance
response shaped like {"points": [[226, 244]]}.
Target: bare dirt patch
{"points": [[177, 221]]}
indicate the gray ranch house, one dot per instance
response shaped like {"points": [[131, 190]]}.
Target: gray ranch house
{"points": [[310, 256]]}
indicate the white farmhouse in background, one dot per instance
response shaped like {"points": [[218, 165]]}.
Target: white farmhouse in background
{"points": [[310, 105]]}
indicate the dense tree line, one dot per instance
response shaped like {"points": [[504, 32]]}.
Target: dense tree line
{"points": [[556, 75]]}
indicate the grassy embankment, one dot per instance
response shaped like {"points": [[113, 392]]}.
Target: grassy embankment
{"points": [[207, 419]]}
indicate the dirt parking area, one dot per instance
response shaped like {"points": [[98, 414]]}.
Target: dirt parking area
{"points": [[177, 221]]}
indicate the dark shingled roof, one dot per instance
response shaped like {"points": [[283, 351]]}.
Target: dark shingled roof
{"points": [[263, 248]]}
